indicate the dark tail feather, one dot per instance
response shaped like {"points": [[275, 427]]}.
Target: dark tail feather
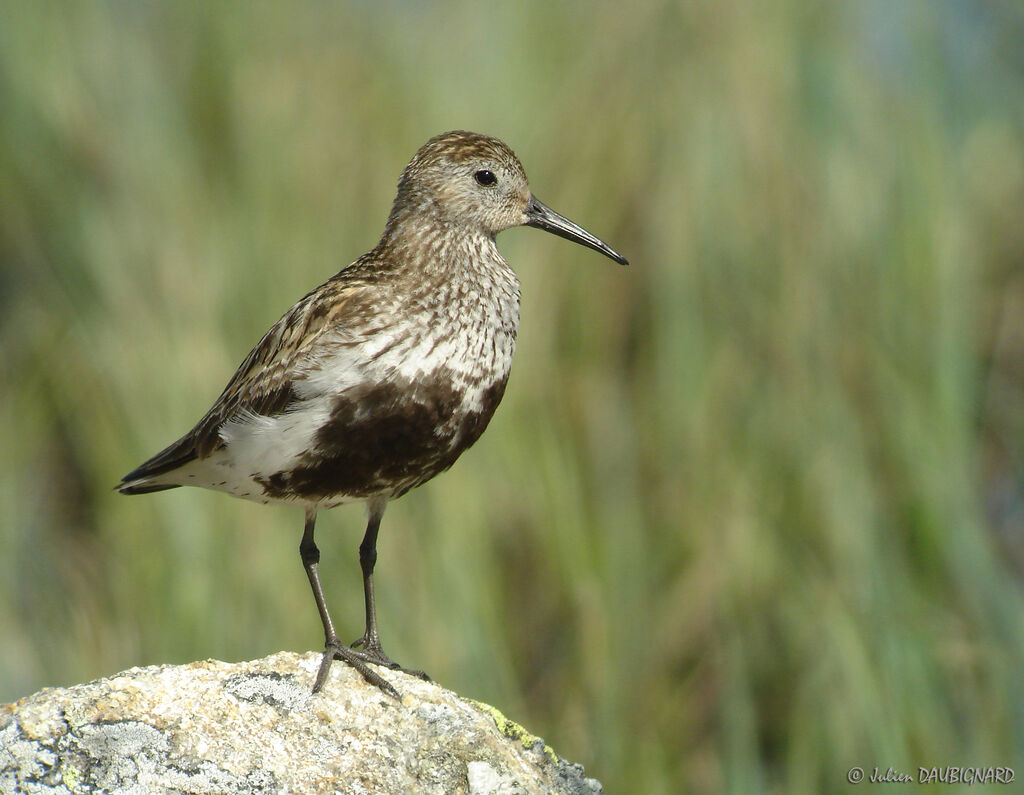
{"points": [[139, 480], [127, 488]]}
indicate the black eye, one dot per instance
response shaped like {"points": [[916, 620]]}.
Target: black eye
{"points": [[485, 178]]}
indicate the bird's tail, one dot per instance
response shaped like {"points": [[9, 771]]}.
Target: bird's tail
{"points": [[152, 475], [128, 487]]}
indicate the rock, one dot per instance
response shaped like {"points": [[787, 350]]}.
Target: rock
{"points": [[213, 727]]}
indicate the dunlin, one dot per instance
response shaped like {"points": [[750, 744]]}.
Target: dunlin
{"points": [[382, 376]]}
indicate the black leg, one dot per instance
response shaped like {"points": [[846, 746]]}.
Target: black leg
{"points": [[333, 648], [370, 641], [369, 644], [310, 554]]}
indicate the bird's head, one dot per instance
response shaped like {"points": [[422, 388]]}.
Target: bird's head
{"points": [[474, 182]]}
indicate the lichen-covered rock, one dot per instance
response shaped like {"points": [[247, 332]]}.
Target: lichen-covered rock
{"points": [[213, 727]]}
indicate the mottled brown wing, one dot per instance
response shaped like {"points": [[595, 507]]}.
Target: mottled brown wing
{"points": [[263, 382]]}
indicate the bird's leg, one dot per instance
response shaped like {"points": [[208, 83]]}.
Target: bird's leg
{"points": [[333, 647], [370, 641], [368, 645]]}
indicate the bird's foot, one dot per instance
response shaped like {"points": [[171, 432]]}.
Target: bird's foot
{"points": [[368, 649], [336, 650]]}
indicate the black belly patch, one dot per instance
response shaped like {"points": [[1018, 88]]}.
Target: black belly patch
{"points": [[385, 439]]}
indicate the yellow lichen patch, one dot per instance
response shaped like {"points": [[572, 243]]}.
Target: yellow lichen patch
{"points": [[513, 730], [71, 777]]}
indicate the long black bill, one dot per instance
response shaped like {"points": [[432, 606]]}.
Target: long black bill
{"points": [[541, 216]]}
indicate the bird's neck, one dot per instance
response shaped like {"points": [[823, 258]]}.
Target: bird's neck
{"points": [[434, 245]]}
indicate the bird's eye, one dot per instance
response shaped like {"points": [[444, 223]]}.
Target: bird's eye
{"points": [[485, 178]]}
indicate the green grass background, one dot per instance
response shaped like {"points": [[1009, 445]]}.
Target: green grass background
{"points": [[752, 511]]}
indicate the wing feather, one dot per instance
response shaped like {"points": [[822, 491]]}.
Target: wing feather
{"points": [[263, 383]]}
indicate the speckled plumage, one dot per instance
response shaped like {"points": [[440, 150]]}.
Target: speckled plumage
{"points": [[381, 377]]}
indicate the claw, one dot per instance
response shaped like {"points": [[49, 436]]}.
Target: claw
{"points": [[339, 651], [369, 650]]}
